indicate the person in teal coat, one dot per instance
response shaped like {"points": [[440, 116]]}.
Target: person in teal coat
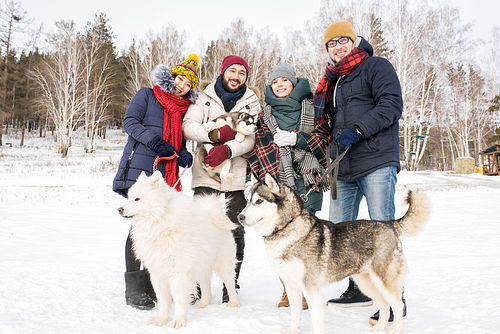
{"points": [[278, 150]]}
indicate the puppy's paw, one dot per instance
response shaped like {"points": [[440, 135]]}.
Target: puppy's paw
{"points": [[157, 321], [209, 126], [233, 303], [177, 323]]}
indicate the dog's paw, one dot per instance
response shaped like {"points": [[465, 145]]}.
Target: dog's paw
{"points": [[393, 331], [157, 321], [379, 327], [177, 323], [291, 331], [239, 137], [200, 304], [233, 303]]}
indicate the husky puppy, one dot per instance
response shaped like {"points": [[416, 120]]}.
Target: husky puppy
{"points": [[180, 240], [242, 123], [308, 253]]}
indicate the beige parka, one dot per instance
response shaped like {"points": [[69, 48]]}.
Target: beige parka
{"points": [[209, 106]]}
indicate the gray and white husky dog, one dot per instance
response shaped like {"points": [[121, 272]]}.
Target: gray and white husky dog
{"points": [[242, 123], [308, 253]]}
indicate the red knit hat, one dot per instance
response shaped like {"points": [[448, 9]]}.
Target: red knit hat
{"points": [[230, 60]]}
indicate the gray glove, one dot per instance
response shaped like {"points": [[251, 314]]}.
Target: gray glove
{"points": [[285, 138]]}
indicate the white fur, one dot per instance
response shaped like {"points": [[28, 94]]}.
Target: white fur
{"points": [[181, 240]]}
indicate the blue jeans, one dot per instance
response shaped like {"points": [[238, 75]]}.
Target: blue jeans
{"points": [[378, 188]]}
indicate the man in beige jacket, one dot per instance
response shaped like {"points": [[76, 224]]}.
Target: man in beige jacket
{"points": [[227, 93]]}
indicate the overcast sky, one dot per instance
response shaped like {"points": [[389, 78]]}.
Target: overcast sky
{"points": [[207, 18]]}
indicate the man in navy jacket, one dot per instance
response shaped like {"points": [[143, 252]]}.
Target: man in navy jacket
{"points": [[358, 104]]}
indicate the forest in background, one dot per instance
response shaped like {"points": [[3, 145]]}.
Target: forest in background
{"points": [[81, 84]]}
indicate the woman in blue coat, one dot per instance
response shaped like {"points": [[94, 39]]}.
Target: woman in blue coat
{"points": [[153, 122]]}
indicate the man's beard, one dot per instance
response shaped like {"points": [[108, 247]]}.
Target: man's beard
{"points": [[225, 84]]}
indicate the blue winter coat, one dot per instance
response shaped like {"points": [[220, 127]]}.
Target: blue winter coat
{"points": [[370, 98], [142, 122]]}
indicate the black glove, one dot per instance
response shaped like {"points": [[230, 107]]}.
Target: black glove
{"points": [[348, 137], [161, 147], [185, 159]]}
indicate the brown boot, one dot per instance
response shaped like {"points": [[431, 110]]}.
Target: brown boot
{"points": [[304, 303], [284, 300]]}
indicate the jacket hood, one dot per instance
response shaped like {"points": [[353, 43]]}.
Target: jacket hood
{"points": [[205, 83], [160, 75], [364, 44]]}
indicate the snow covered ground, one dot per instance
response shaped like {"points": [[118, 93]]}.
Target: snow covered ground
{"points": [[62, 256]]}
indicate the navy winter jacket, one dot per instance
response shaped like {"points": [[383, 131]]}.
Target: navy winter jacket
{"points": [[142, 122], [370, 98]]}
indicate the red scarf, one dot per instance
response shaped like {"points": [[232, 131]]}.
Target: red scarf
{"points": [[345, 66], [175, 106]]}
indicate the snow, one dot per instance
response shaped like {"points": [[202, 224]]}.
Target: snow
{"points": [[62, 255]]}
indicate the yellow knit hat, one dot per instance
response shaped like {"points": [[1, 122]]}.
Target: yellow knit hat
{"points": [[339, 29], [189, 69]]}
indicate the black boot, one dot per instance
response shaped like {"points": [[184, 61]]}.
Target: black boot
{"points": [[351, 297], [137, 286], [374, 318]]}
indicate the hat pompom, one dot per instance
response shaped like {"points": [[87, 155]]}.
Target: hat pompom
{"points": [[194, 59]]}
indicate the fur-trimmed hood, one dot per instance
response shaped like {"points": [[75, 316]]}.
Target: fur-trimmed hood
{"points": [[205, 83], [160, 75]]}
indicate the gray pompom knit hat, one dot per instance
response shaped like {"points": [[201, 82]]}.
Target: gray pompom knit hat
{"points": [[284, 70]]}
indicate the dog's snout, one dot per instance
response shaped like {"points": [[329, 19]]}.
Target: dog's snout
{"points": [[241, 218], [120, 211]]}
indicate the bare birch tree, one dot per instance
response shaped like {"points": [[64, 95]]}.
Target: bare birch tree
{"points": [[97, 54], [60, 81], [166, 47]]}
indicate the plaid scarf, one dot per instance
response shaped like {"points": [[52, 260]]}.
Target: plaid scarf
{"points": [[175, 106], [324, 91], [268, 157]]}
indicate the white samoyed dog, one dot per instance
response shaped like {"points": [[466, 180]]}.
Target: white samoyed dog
{"points": [[180, 240]]}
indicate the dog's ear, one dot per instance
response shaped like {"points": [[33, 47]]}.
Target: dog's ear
{"points": [[253, 178], [272, 183], [156, 178], [142, 176]]}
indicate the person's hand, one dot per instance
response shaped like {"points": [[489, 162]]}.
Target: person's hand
{"points": [[185, 159], [285, 138], [217, 155], [162, 148], [226, 134], [348, 137]]}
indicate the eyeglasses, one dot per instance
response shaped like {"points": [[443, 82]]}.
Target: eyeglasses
{"points": [[341, 40]]}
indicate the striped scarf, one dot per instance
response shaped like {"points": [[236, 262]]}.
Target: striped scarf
{"points": [[268, 157], [324, 91]]}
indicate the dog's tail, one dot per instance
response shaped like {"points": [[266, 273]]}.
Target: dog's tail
{"points": [[416, 216], [215, 210]]}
